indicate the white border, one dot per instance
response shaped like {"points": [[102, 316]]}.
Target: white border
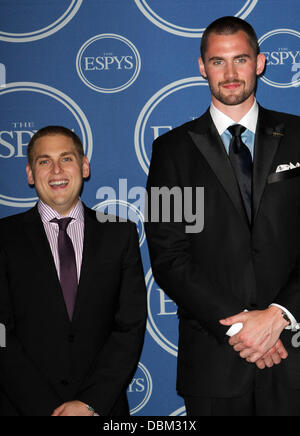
{"points": [[70, 105], [109, 90], [152, 328], [186, 31], [139, 134], [262, 40], [46, 31]]}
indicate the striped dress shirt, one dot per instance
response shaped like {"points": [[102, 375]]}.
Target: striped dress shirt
{"points": [[75, 230]]}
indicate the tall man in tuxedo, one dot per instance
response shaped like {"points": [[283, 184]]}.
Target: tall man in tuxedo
{"points": [[237, 283], [72, 294]]}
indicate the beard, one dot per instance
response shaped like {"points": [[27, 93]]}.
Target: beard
{"points": [[235, 98]]}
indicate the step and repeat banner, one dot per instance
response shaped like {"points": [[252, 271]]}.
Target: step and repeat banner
{"points": [[120, 73]]}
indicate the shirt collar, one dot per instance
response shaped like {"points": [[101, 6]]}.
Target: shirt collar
{"points": [[222, 121], [47, 213]]}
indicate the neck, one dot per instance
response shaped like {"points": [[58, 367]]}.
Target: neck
{"points": [[64, 210], [236, 113]]}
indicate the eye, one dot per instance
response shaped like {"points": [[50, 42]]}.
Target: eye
{"points": [[241, 60], [43, 162], [67, 159], [220, 62]]}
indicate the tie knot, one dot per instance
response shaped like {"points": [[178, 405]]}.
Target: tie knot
{"points": [[62, 223], [237, 130]]}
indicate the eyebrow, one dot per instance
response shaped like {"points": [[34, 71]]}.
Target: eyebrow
{"points": [[219, 58], [46, 156]]}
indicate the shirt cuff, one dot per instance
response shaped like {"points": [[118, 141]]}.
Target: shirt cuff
{"points": [[295, 326]]}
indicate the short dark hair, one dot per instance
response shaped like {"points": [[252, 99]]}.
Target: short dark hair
{"points": [[230, 26], [51, 131]]}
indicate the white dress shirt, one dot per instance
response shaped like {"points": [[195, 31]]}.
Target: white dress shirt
{"points": [[249, 121]]}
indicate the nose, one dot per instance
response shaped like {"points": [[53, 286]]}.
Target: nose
{"points": [[231, 72], [56, 167]]}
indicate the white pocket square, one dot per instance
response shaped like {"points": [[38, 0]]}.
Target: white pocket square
{"points": [[287, 167]]}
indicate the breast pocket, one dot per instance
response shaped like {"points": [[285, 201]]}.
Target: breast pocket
{"points": [[284, 175]]}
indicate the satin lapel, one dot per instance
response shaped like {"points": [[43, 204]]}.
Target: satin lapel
{"points": [[36, 235], [268, 137], [210, 145]]}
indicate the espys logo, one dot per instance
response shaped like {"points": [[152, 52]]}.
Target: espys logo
{"points": [[182, 18], [122, 209], [162, 321], [50, 19], [167, 109], [108, 63], [281, 47], [27, 107], [140, 389]]}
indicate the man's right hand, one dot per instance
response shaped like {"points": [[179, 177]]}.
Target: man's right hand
{"points": [[273, 356]]}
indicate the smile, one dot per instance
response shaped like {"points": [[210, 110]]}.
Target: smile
{"points": [[58, 184]]}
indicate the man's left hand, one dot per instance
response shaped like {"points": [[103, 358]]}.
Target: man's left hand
{"points": [[73, 408], [261, 331]]}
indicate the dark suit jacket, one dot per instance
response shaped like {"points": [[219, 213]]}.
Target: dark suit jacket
{"points": [[228, 267], [49, 360]]}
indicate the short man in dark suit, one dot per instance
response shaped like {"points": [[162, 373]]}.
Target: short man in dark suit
{"points": [[72, 294], [245, 264]]}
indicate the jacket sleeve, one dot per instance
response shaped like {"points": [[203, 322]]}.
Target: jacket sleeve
{"points": [[289, 295], [20, 380], [117, 361], [173, 267]]}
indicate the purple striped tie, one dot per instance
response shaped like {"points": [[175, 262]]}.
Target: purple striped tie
{"points": [[68, 270]]}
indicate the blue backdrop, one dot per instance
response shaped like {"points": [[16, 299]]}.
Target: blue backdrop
{"points": [[120, 73]]}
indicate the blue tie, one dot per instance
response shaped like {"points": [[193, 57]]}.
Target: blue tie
{"points": [[241, 160]]}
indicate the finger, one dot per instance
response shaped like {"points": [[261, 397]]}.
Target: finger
{"points": [[239, 347], [255, 357], [260, 364], [276, 358], [58, 411], [268, 361], [240, 317], [246, 353], [282, 351]]}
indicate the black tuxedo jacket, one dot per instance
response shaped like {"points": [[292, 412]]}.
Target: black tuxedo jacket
{"points": [[49, 360], [228, 267]]}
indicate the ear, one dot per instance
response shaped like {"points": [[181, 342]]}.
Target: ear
{"points": [[202, 68], [261, 64], [85, 167], [29, 173]]}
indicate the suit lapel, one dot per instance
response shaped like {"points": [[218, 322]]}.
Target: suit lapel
{"points": [[36, 235], [209, 143], [268, 137]]}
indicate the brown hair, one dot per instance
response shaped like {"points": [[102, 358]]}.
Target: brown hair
{"points": [[50, 131], [229, 26]]}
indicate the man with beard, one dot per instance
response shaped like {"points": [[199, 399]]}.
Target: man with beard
{"points": [[237, 283]]}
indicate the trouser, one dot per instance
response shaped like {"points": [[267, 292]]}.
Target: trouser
{"points": [[266, 397]]}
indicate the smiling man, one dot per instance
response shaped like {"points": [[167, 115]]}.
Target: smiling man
{"points": [[72, 294], [237, 283]]}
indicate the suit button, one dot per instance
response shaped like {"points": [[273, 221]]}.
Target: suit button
{"points": [[71, 338], [65, 383]]}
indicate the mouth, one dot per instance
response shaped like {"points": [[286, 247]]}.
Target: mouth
{"points": [[230, 86], [58, 184]]}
